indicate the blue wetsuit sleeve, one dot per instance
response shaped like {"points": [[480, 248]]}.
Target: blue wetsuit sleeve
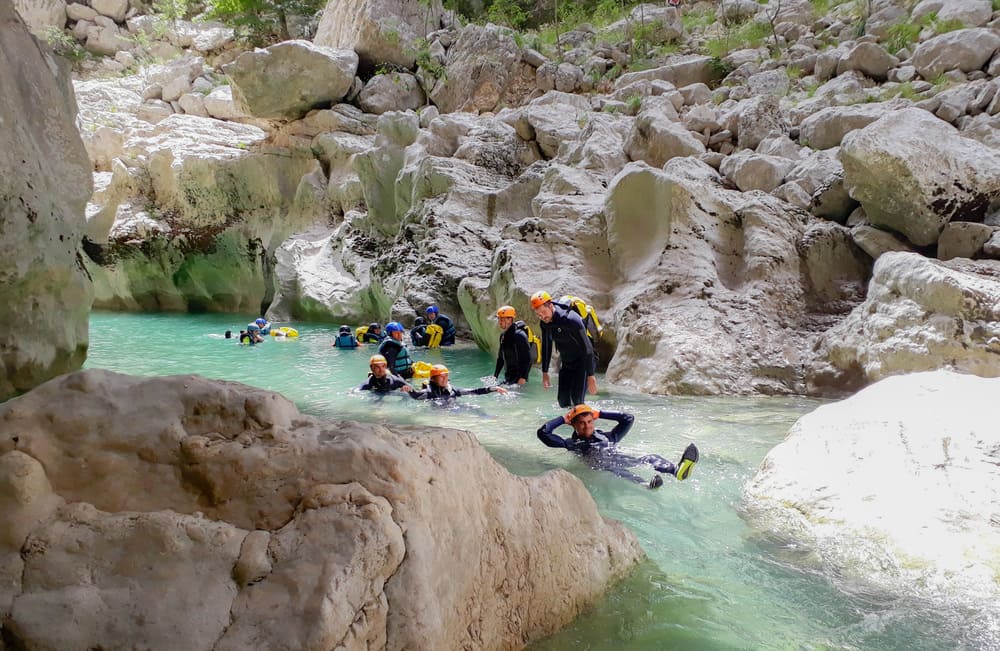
{"points": [[623, 424], [547, 434], [365, 386], [546, 348]]}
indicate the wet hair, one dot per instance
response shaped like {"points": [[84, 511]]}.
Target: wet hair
{"points": [[419, 321], [229, 334]]}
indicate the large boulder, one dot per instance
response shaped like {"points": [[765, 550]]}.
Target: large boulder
{"points": [[965, 50], [680, 70], [914, 173], [380, 31], [971, 13], [211, 515], [395, 91], [44, 290], [893, 494], [920, 314], [287, 80], [478, 68], [656, 138], [827, 127]]}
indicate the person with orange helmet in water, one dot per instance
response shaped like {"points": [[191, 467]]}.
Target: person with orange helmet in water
{"points": [[440, 389], [380, 380], [515, 353], [563, 329], [599, 448]]}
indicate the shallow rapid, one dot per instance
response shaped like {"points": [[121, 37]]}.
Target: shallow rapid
{"points": [[711, 581]]}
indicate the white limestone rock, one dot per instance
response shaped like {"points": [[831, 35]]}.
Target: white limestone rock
{"points": [[751, 171], [287, 80], [380, 31], [914, 173], [478, 68], [395, 91], [875, 241], [656, 138], [971, 13], [827, 127], [219, 104], [964, 49], [45, 184], [893, 493], [113, 9], [920, 314], [963, 240], [868, 58], [41, 15]]}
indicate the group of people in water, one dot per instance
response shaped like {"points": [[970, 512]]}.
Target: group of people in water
{"points": [[568, 326]]}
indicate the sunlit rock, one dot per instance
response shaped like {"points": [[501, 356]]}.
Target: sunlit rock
{"points": [[894, 493], [380, 31], [214, 515]]}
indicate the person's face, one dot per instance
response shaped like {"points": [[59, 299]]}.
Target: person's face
{"points": [[583, 425], [505, 321], [440, 380], [430, 316], [544, 312], [379, 369], [397, 335]]}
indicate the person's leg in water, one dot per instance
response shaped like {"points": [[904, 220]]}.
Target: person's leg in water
{"points": [[619, 464], [572, 385], [681, 470]]}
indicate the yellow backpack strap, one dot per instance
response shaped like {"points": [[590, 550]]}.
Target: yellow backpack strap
{"points": [[598, 328], [536, 343], [434, 334]]}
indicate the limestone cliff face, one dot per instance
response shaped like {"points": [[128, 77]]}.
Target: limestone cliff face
{"points": [[45, 293], [212, 515]]}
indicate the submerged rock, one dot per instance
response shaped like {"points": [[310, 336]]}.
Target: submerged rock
{"points": [[46, 181], [213, 515], [895, 490]]}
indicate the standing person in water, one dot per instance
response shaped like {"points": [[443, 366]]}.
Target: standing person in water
{"points": [[515, 353], [394, 350], [440, 389], [434, 317], [563, 329], [345, 338], [418, 333], [380, 380], [599, 448]]}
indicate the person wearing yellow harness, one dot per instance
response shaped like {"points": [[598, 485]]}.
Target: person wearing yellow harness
{"points": [[434, 317], [515, 353], [440, 389], [564, 330], [394, 351]]}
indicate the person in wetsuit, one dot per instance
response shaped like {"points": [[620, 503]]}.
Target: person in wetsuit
{"points": [[435, 317], [515, 353], [599, 448], [345, 338], [394, 351], [373, 335], [418, 333], [440, 389], [380, 380], [563, 329]]}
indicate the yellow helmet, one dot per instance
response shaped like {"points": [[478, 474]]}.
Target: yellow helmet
{"points": [[439, 369], [540, 298], [378, 359], [580, 410], [507, 310]]}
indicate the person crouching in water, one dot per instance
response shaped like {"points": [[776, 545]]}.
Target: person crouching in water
{"points": [[380, 380], [440, 389], [394, 350], [599, 447], [345, 338]]}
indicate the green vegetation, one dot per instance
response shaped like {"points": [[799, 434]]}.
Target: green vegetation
{"points": [[633, 104], [996, 5], [261, 21], [752, 33], [698, 18], [422, 55], [907, 32], [65, 45], [904, 90], [944, 26]]}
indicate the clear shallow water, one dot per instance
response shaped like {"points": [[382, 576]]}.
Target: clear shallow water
{"points": [[711, 582]]}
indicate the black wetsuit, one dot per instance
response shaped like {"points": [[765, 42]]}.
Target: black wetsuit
{"points": [[397, 356], [371, 338], [448, 337], [514, 353], [567, 332], [600, 451], [434, 392], [419, 336], [385, 384]]}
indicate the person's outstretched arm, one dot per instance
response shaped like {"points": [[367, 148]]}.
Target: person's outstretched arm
{"points": [[623, 424], [547, 434]]}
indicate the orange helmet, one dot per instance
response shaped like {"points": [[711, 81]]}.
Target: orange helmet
{"points": [[540, 298], [377, 359], [507, 310], [580, 410], [439, 369]]}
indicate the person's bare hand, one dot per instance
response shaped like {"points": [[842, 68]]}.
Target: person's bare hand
{"points": [[406, 388], [591, 384], [545, 381], [521, 381], [500, 390]]}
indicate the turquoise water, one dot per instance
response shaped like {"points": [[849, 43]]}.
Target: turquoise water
{"points": [[711, 582]]}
